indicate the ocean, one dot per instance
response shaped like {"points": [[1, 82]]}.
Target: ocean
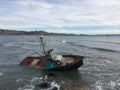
{"points": [[101, 69]]}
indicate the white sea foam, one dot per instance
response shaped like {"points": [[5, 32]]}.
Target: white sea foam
{"points": [[63, 41], [98, 86], [118, 84], [19, 80], [30, 85], [54, 84], [36, 81], [113, 85], [27, 87]]}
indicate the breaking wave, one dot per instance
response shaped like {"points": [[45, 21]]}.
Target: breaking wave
{"points": [[39, 83], [101, 41], [96, 48], [104, 49], [114, 85]]}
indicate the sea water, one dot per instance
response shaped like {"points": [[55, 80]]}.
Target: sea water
{"points": [[101, 69]]}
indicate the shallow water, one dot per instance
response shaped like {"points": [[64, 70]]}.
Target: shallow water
{"points": [[99, 72]]}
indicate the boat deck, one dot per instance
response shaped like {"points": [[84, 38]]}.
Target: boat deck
{"points": [[68, 59]]}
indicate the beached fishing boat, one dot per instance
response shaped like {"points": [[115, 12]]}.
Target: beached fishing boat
{"points": [[47, 61]]}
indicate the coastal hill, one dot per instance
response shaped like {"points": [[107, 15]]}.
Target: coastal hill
{"points": [[15, 32]]}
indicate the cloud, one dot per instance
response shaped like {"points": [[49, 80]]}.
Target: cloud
{"points": [[89, 32], [58, 14]]}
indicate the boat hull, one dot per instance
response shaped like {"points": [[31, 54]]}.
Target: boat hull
{"points": [[72, 62], [71, 66]]}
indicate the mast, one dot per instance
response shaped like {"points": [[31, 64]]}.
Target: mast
{"points": [[42, 42]]}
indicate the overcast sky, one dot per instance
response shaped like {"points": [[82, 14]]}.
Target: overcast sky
{"points": [[62, 16]]}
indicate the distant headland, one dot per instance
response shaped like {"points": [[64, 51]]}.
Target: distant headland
{"points": [[15, 32]]}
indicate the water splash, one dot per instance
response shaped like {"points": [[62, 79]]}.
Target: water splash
{"points": [[55, 85], [63, 41], [36, 82], [19, 80], [98, 85], [114, 85]]}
